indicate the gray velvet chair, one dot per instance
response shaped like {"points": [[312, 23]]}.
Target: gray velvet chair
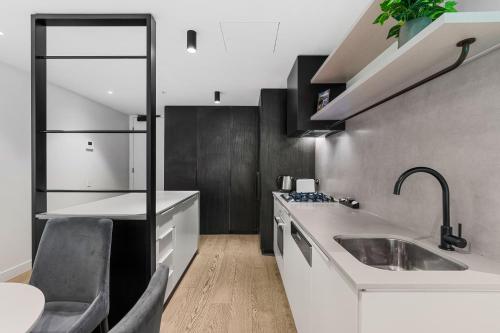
{"points": [[72, 270], [145, 316]]}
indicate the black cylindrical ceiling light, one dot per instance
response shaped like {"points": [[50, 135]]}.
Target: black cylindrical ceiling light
{"points": [[191, 41], [217, 97]]}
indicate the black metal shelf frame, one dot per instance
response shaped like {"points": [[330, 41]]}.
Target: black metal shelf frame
{"points": [[465, 47], [39, 58], [90, 191], [92, 131], [89, 57]]}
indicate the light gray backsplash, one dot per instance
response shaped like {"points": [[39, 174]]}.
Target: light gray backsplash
{"points": [[452, 125]]}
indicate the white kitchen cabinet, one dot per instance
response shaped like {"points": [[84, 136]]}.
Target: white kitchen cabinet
{"points": [[428, 311], [187, 231], [319, 297], [334, 304], [298, 277], [287, 246], [278, 232], [324, 298], [177, 233]]}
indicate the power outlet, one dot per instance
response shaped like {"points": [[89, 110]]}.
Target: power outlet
{"points": [[89, 146]]}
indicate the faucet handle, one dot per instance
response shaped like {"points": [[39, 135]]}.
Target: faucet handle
{"points": [[460, 230]]}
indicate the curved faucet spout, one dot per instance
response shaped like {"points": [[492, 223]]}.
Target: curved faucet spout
{"points": [[447, 238]]}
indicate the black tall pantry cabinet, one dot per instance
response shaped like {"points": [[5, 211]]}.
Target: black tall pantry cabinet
{"points": [[278, 155], [214, 149]]}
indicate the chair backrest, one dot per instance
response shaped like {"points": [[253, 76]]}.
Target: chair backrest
{"points": [[72, 261], [145, 316]]}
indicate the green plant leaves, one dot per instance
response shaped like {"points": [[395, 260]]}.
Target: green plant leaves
{"points": [[381, 19], [394, 31], [405, 10], [450, 6]]}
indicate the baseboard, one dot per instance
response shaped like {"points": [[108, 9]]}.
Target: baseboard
{"points": [[267, 252], [15, 271]]}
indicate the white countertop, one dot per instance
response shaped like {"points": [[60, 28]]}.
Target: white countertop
{"points": [[131, 206], [323, 221]]}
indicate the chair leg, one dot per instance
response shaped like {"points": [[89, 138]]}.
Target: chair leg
{"points": [[103, 326]]}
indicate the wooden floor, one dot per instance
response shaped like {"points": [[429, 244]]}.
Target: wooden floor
{"points": [[230, 287]]}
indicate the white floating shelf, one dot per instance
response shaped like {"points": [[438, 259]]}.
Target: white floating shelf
{"points": [[364, 42], [430, 51]]}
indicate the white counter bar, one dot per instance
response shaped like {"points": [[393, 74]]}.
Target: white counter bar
{"points": [[131, 206], [323, 221]]}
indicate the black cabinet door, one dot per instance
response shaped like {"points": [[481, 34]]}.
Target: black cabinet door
{"points": [[279, 155], [244, 160], [214, 130], [215, 150], [181, 156]]}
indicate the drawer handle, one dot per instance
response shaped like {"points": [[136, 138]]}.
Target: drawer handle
{"points": [[195, 196], [166, 233], [166, 256], [277, 220]]}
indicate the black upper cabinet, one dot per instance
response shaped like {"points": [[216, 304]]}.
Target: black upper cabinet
{"points": [[302, 98]]}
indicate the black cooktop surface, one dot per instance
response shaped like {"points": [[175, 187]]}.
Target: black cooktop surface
{"points": [[307, 197]]}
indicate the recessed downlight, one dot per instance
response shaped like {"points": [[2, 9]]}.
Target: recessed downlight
{"points": [[217, 97], [110, 92], [1, 33], [191, 41]]}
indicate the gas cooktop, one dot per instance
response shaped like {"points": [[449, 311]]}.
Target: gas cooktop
{"points": [[307, 197]]}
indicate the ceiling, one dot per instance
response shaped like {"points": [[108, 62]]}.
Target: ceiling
{"points": [[243, 46]]}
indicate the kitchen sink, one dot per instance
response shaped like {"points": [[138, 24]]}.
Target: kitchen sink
{"points": [[394, 254]]}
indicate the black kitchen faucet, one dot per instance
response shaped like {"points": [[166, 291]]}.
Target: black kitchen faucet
{"points": [[448, 240]]}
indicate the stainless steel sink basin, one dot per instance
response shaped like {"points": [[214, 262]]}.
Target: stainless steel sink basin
{"points": [[396, 255]]}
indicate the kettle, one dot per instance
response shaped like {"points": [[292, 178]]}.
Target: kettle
{"points": [[285, 183]]}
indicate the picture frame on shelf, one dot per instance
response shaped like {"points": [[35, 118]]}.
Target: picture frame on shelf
{"points": [[323, 99]]}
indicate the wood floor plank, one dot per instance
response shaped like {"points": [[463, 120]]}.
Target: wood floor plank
{"points": [[283, 315], [22, 278], [263, 318], [224, 285], [216, 319], [242, 304], [230, 287], [203, 292]]}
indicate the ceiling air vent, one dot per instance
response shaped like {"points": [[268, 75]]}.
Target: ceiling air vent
{"points": [[250, 37]]}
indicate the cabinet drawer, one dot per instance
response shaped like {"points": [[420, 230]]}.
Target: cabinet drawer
{"points": [[164, 222], [279, 210], [165, 245], [167, 257], [297, 282], [165, 216]]}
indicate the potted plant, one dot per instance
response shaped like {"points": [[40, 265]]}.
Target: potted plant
{"points": [[412, 16]]}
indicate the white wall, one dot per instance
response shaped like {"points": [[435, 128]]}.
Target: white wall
{"points": [[69, 165], [478, 5], [137, 179], [15, 174]]}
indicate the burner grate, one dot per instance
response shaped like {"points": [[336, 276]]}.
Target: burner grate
{"points": [[307, 197]]}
